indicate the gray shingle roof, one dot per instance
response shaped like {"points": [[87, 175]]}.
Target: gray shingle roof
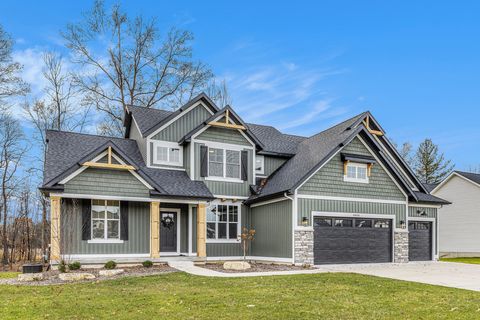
{"points": [[430, 186], [274, 141], [428, 198], [147, 118], [310, 153], [66, 149], [475, 177]]}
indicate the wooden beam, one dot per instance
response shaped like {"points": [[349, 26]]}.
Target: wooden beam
{"points": [[109, 155], [227, 117], [366, 122], [108, 166], [154, 229], [345, 164], [201, 231], [55, 202], [369, 169], [227, 125]]}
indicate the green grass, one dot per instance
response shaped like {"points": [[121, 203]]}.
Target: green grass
{"points": [[6, 275], [471, 260], [183, 296]]}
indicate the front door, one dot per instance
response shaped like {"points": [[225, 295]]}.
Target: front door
{"points": [[168, 231]]}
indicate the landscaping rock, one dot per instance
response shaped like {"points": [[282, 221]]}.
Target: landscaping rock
{"points": [[27, 277], [75, 276], [110, 273], [236, 265]]}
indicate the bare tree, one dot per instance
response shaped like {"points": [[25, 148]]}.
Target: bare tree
{"points": [[11, 84], [12, 150], [218, 92], [127, 62]]}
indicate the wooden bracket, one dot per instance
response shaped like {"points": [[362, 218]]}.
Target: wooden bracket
{"points": [[369, 169], [345, 164], [366, 122], [109, 164], [227, 123]]}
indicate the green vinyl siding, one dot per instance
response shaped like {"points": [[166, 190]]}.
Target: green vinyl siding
{"points": [[183, 125], [429, 212], [229, 249], [224, 136], [138, 231], [273, 226], [271, 164], [106, 182], [328, 181], [222, 187], [306, 206]]}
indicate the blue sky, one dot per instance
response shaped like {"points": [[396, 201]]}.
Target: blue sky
{"points": [[303, 66]]}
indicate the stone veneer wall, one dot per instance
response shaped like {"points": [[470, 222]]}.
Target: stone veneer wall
{"points": [[400, 250], [304, 247]]}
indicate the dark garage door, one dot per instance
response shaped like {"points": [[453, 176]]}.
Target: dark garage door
{"points": [[419, 240], [352, 240]]}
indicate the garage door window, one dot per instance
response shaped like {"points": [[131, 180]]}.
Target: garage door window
{"points": [[323, 222], [384, 224], [343, 223], [359, 223]]}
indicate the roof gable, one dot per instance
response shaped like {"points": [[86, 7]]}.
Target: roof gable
{"points": [[473, 178]]}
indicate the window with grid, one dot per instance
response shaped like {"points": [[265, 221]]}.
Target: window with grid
{"points": [[224, 163], [105, 219], [356, 172], [222, 222]]}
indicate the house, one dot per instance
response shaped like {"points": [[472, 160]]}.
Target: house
{"points": [[459, 222], [185, 183]]}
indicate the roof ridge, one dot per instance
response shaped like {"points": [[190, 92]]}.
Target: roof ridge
{"points": [[338, 124], [88, 134]]}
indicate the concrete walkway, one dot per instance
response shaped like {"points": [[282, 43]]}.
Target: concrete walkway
{"points": [[448, 274], [189, 267]]}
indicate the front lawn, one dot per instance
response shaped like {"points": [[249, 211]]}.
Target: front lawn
{"points": [[471, 260], [6, 275], [182, 296]]}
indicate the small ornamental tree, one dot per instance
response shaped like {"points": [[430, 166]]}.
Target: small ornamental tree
{"points": [[246, 237]]}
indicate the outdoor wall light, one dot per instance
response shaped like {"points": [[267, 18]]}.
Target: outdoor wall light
{"points": [[402, 224], [305, 221], [422, 212]]}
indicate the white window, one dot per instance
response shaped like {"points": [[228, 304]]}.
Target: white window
{"points": [[105, 220], [356, 172], [224, 164], [167, 153], [260, 164], [223, 222]]}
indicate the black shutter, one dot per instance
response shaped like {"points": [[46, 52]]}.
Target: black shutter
{"points": [[86, 218], [124, 220], [244, 165], [203, 161]]}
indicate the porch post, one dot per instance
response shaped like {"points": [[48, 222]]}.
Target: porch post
{"points": [[55, 228], [155, 229], [201, 231]]}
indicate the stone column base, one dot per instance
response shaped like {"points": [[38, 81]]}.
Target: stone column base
{"points": [[304, 247], [400, 247]]}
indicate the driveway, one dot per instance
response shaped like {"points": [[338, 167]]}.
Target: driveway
{"points": [[448, 274]]}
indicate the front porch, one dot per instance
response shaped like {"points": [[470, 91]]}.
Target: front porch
{"points": [[95, 229]]}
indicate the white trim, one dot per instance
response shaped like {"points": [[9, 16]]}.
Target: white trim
{"points": [[424, 206], [434, 232], [169, 145], [271, 259], [101, 255], [105, 241], [364, 215], [230, 197], [214, 178], [267, 202], [80, 170], [308, 196], [239, 222], [441, 184], [178, 221], [190, 230], [262, 157], [167, 168], [138, 199], [356, 165], [222, 241], [192, 159], [221, 145], [136, 175], [181, 114]]}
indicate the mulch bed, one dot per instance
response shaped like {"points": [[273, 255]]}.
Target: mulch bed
{"points": [[51, 277], [255, 267]]}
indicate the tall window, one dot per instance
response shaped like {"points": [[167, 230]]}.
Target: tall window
{"points": [[356, 172], [224, 163], [105, 219], [259, 164], [167, 153], [222, 222]]}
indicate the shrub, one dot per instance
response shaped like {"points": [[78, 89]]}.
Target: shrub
{"points": [[147, 264], [110, 265], [74, 265], [62, 266]]}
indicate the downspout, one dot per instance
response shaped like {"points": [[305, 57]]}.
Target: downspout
{"points": [[294, 223]]}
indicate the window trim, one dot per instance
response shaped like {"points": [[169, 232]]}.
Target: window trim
{"points": [[169, 145], [239, 223], [105, 238], [356, 165], [224, 177], [262, 158]]}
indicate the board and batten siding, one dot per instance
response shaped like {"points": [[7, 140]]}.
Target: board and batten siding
{"points": [[228, 249], [183, 125], [106, 182], [223, 187], [305, 208], [273, 230], [271, 164], [413, 212], [138, 231], [328, 181]]}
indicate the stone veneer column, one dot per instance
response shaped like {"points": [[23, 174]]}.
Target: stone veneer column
{"points": [[304, 247], [400, 249]]}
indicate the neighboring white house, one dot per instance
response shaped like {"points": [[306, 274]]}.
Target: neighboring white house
{"points": [[459, 223]]}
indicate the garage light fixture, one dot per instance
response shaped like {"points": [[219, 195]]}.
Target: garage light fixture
{"points": [[305, 221], [421, 212], [402, 224]]}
